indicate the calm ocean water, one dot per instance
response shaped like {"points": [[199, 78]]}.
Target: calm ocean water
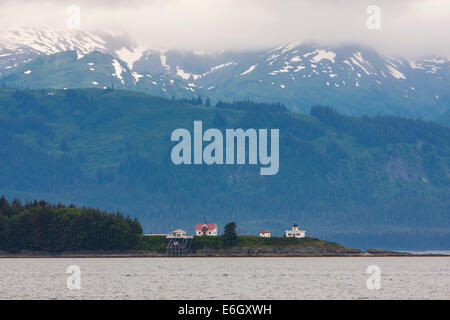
{"points": [[226, 278]]}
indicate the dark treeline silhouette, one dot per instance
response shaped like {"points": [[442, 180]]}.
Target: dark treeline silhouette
{"points": [[244, 105], [381, 130], [248, 105], [40, 226], [195, 101]]}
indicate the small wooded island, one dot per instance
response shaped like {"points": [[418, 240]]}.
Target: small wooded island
{"points": [[41, 229]]}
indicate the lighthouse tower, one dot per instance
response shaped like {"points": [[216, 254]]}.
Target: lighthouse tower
{"points": [[295, 232]]}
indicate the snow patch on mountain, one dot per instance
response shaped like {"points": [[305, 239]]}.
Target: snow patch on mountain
{"points": [[395, 73], [182, 74], [435, 60], [222, 66], [324, 54], [136, 76], [415, 65], [118, 69], [129, 56], [358, 64], [249, 70], [211, 70], [289, 47], [163, 59]]}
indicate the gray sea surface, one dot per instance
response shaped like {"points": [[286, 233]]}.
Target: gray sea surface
{"points": [[226, 278]]}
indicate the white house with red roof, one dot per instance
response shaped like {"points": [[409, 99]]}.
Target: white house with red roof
{"points": [[206, 229], [264, 233]]}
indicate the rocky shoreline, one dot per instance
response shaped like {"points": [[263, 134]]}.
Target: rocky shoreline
{"points": [[222, 253]]}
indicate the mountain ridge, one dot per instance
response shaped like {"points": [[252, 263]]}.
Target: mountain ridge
{"points": [[354, 79]]}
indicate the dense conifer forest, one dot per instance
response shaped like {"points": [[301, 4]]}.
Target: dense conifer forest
{"points": [[379, 181], [40, 226]]}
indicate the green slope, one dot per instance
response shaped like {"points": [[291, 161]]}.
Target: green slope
{"points": [[94, 70], [368, 182]]}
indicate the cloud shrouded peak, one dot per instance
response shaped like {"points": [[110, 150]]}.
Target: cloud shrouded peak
{"points": [[409, 28]]}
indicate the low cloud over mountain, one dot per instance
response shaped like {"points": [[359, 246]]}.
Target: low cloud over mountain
{"points": [[408, 28]]}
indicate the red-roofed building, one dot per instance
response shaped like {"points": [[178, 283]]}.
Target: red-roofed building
{"points": [[206, 229], [264, 233]]}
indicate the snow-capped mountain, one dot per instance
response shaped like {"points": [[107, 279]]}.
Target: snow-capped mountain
{"points": [[21, 45], [352, 78], [49, 58]]}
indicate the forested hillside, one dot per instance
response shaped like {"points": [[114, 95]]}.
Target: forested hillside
{"points": [[364, 182]]}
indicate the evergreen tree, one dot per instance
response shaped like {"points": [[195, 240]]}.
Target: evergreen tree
{"points": [[230, 235]]}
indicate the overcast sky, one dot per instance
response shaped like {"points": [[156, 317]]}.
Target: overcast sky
{"points": [[408, 27]]}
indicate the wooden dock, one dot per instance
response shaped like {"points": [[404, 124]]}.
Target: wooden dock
{"points": [[178, 246]]}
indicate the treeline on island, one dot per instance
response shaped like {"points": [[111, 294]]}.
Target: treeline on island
{"points": [[44, 228], [40, 226]]}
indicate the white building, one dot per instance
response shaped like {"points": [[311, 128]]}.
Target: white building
{"points": [[265, 234], [178, 234], [295, 232], [206, 229]]}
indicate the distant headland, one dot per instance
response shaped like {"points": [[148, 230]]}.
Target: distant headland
{"points": [[40, 229]]}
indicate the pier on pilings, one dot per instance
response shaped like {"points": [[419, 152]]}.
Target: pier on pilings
{"points": [[178, 246]]}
